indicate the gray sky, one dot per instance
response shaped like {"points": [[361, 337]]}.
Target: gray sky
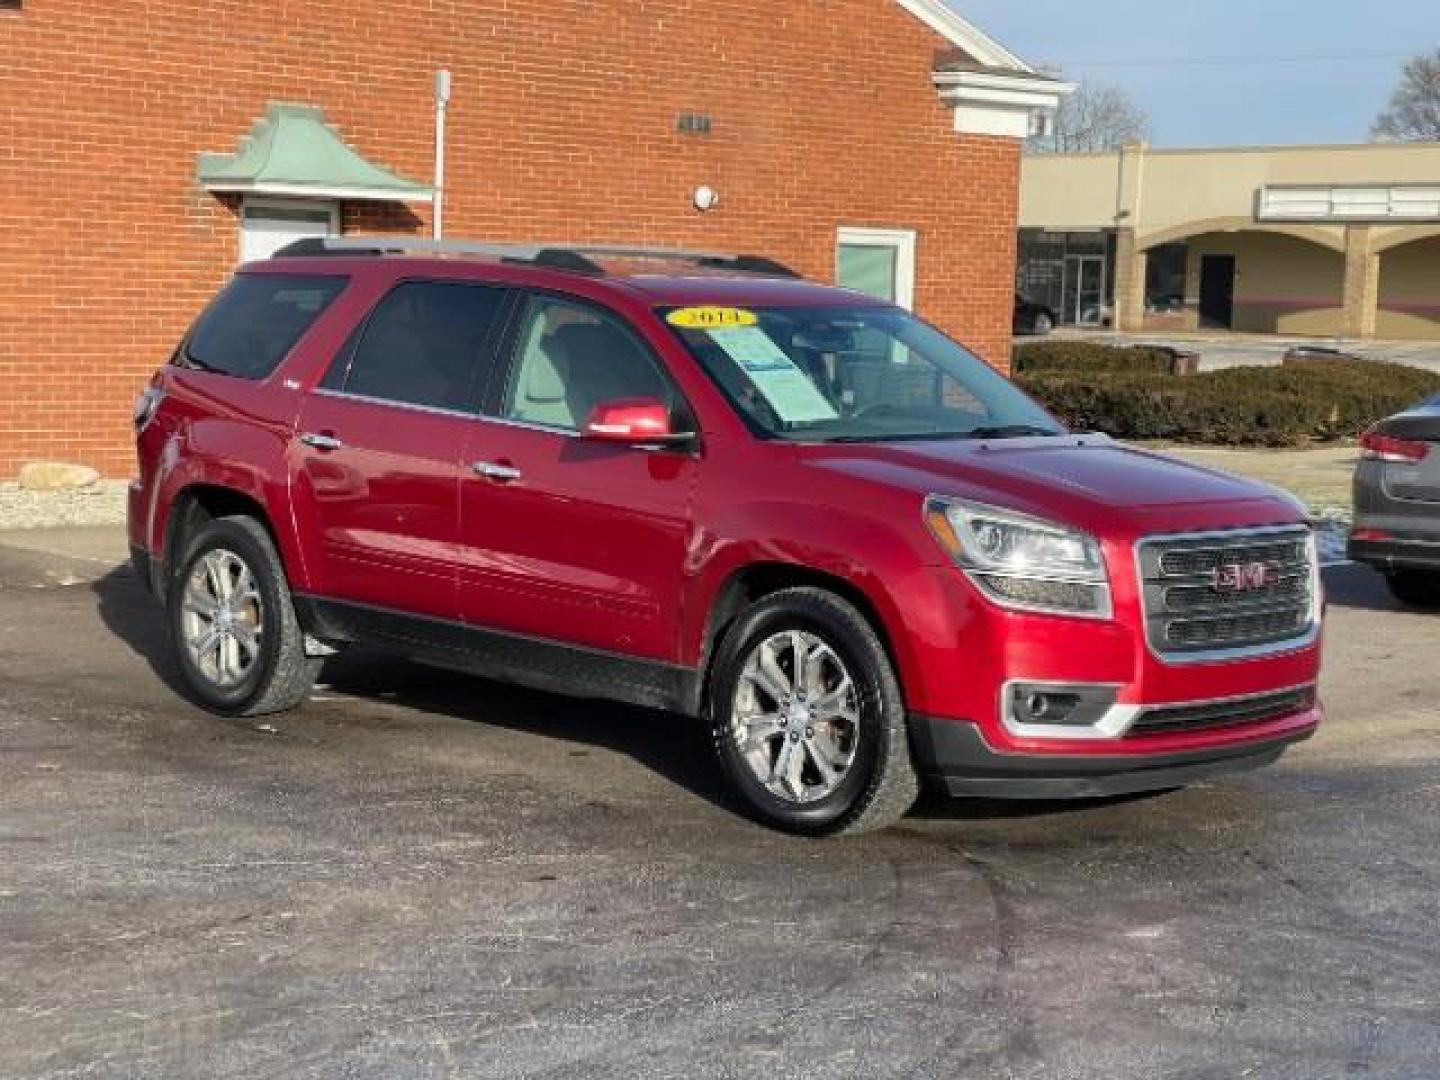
{"points": [[1218, 72]]}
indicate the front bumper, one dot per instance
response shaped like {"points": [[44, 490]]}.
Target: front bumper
{"points": [[955, 756]]}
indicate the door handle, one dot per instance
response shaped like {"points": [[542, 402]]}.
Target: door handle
{"points": [[497, 471], [321, 442]]}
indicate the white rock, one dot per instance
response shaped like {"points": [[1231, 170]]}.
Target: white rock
{"points": [[57, 476]]}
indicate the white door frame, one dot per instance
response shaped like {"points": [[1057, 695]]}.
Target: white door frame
{"points": [[266, 202], [901, 240]]}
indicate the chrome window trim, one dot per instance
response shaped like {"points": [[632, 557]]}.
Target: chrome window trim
{"points": [[1242, 652], [1119, 718], [408, 406]]}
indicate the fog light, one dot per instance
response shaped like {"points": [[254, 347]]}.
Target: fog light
{"points": [[1059, 707], [1048, 708]]}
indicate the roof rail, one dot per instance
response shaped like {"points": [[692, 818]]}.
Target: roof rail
{"points": [[580, 258]]}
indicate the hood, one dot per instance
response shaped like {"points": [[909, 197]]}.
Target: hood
{"points": [[1078, 479]]}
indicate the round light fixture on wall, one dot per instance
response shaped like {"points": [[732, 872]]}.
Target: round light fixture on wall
{"points": [[706, 198]]}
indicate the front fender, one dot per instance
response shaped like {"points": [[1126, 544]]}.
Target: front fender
{"points": [[882, 561]]}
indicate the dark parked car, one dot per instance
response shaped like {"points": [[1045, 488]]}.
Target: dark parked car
{"points": [[1397, 503], [1033, 317]]}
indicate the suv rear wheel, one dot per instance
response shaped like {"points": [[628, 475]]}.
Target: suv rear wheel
{"points": [[237, 640], [808, 719]]}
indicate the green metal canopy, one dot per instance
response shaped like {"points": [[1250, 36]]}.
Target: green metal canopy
{"points": [[294, 152]]}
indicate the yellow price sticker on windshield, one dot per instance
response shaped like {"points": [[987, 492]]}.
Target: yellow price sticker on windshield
{"points": [[711, 318]]}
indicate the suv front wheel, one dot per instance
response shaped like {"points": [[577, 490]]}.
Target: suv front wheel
{"points": [[239, 645], [808, 718]]}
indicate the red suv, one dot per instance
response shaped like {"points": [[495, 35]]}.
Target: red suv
{"points": [[695, 483]]}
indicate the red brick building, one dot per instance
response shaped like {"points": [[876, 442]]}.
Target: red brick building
{"points": [[876, 140]]}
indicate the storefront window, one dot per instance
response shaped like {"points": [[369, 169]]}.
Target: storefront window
{"points": [[1070, 273]]}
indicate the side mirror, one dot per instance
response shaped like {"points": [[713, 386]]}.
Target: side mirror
{"points": [[634, 422]]}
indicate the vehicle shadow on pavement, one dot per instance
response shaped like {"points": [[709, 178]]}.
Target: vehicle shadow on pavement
{"points": [[673, 746], [136, 618], [1358, 587]]}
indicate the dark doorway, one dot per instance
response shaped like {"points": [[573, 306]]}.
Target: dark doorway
{"points": [[1217, 290]]}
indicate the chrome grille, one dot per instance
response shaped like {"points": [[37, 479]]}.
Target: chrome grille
{"points": [[1188, 615]]}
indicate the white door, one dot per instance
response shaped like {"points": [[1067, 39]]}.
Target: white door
{"points": [[880, 262], [266, 227]]}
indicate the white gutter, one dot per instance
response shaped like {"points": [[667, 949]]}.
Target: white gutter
{"points": [[442, 100]]}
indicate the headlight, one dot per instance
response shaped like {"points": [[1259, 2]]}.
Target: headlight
{"points": [[1023, 562]]}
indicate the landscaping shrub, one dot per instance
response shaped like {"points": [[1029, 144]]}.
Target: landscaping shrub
{"points": [[1061, 356], [1274, 406]]}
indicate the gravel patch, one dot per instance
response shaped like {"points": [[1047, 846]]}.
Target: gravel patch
{"points": [[100, 504]]}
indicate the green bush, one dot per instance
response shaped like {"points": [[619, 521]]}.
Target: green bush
{"points": [[1061, 356], [1274, 406]]}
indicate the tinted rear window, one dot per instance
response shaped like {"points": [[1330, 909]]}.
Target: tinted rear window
{"points": [[256, 321]]}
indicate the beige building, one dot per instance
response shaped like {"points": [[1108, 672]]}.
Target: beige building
{"points": [[1322, 240]]}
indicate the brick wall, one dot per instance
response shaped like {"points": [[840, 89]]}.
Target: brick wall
{"points": [[562, 128]]}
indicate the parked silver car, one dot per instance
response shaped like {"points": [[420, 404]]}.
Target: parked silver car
{"points": [[1397, 503]]}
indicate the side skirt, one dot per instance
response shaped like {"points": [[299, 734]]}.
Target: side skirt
{"points": [[516, 658]]}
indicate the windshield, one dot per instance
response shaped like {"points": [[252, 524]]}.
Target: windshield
{"points": [[843, 374]]}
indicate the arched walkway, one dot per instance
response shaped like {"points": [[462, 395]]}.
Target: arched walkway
{"points": [[1232, 273], [1409, 287]]}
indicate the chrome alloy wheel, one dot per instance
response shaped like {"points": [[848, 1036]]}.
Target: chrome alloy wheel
{"points": [[795, 717], [223, 618]]}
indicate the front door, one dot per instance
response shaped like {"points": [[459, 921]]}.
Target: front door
{"points": [[566, 539], [1217, 291], [1084, 290], [380, 446], [266, 226]]}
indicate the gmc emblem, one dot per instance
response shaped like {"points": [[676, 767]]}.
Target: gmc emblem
{"points": [[1244, 577]]}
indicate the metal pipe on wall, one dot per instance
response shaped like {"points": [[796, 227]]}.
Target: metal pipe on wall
{"points": [[442, 101]]}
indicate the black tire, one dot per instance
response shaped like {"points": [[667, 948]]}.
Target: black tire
{"points": [[880, 785], [1042, 325], [1415, 588], [280, 676]]}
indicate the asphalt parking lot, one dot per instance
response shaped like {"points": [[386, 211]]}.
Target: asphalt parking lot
{"points": [[427, 875]]}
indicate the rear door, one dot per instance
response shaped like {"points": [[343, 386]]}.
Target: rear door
{"points": [[380, 444], [563, 538]]}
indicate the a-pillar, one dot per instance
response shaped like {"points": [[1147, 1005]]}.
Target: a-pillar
{"points": [[1362, 282]]}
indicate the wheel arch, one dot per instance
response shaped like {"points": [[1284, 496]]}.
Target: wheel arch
{"points": [[198, 503], [747, 584]]}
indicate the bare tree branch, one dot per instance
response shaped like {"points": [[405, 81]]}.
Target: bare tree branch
{"points": [[1414, 112], [1097, 116]]}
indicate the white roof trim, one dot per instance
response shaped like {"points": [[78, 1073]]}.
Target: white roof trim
{"points": [[964, 34], [1022, 87], [306, 191], [998, 102]]}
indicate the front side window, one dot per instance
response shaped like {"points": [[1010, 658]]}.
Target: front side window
{"points": [[844, 374], [571, 357], [427, 343], [255, 322]]}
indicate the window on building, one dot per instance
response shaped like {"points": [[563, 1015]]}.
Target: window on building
{"points": [[255, 322], [571, 357], [427, 343], [877, 262], [1165, 278]]}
